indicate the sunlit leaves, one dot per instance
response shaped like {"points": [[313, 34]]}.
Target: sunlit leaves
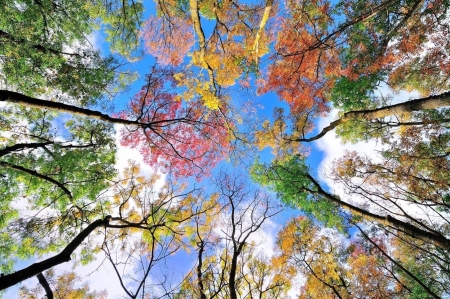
{"points": [[63, 286], [35, 38], [181, 137], [289, 179], [162, 38]]}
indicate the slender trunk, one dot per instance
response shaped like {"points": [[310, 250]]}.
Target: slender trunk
{"points": [[411, 230], [431, 102], [232, 277], [9, 280], [426, 288], [262, 24], [199, 270], [44, 284]]}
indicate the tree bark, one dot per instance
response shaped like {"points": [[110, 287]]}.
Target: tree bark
{"points": [[195, 17], [262, 24], [21, 99], [411, 230], [44, 284], [9, 280], [22, 146], [201, 245], [431, 102]]}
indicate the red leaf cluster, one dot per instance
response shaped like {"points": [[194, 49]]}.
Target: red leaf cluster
{"points": [[176, 137]]}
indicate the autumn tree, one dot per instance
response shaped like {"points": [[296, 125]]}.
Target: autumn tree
{"points": [[61, 167], [369, 264], [296, 187], [229, 261], [146, 221], [347, 51]]}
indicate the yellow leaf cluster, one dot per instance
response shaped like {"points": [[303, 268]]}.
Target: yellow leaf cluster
{"points": [[197, 87]]}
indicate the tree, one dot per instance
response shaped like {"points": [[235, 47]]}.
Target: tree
{"points": [[370, 264], [228, 263], [142, 217], [56, 147], [185, 140], [45, 167], [63, 171], [45, 48], [292, 181], [184, 137]]}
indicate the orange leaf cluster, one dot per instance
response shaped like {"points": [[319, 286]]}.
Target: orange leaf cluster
{"points": [[168, 41]]}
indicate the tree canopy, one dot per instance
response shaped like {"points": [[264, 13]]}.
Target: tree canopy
{"points": [[374, 224]]}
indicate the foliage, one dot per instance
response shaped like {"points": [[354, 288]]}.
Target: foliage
{"points": [[60, 186], [44, 167], [289, 179], [63, 287], [228, 260], [186, 138], [162, 39], [43, 51]]}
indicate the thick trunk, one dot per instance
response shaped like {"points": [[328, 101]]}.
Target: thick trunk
{"points": [[195, 17], [262, 25], [9, 280], [431, 102], [22, 146], [21, 99], [411, 230]]}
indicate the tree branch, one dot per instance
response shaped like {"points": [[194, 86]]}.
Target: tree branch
{"points": [[413, 231], [38, 175], [44, 284], [9, 280], [431, 102], [398, 264]]}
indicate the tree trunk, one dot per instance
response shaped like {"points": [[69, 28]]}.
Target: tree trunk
{"points": [[45, 285], [21, 99], [411, 230], [431, 102], [9, 280]]}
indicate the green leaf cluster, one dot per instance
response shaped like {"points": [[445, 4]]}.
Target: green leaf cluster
{"points": [[290, 181]]}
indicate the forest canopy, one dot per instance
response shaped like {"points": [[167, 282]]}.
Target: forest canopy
{"points": [[175, 144]]}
